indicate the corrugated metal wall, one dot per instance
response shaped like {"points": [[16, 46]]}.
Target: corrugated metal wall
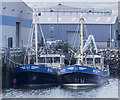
{"points": [[101, 32], [13, 12]]}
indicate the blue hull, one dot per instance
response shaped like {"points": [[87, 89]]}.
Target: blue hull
{"points": [[37, 75], [77, 74], [35, 68]]}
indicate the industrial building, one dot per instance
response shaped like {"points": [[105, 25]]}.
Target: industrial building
{"points": [[15, 24], [61, 22], [119, 23], [58, 22]]}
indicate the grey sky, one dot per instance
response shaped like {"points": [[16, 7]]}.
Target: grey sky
{"points": [[71, 0]]}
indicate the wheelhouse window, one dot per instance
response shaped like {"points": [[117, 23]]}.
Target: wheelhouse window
{"points": [[56, 59], [42, 60], [89, 60], [49, 60], [62, 60], [97, 60], [84, 61]]}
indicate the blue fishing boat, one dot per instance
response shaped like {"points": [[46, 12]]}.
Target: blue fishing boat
{"points": [[88, 74], [31, 74], [44, 70], [43, 73], [89, 69]]}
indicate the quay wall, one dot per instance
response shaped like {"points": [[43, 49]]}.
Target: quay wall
{"points": [[10, 59]]}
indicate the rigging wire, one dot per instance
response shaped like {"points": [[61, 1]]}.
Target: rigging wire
{"points": [[29, 43], [76, 32], [85, 30], [74, 37], [79, 36], [13, 61], [32, 38], [43, 38]]}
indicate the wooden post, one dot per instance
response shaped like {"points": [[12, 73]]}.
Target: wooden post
{"points": [[0, 72]]}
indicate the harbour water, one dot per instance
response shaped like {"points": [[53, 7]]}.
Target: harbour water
{"points": [[107, 90]]}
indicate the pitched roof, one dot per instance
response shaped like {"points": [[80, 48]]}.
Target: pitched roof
{"points": [[75, 19]]}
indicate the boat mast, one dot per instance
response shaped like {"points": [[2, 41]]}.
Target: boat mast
{"points": [[81, 19], [36, 40]]}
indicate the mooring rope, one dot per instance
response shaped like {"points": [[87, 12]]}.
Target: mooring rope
{"points": [[13, 61]]}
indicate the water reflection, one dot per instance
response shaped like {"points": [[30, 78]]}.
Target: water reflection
{"points": [[108, 90]]}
